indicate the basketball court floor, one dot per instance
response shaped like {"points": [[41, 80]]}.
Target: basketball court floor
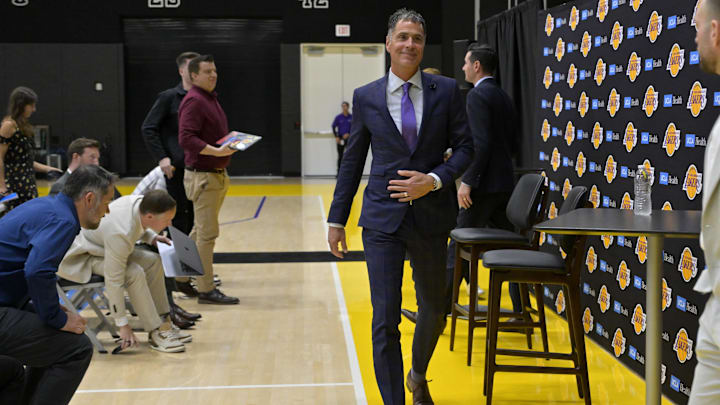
{"points": [[301, 333]]}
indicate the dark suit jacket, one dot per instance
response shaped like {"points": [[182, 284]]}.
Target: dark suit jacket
{"points": [[59, 184], [160, 128], [444, 125], [494, 129]]}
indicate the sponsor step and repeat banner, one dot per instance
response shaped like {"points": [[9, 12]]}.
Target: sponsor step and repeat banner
{"points": [[619, 85]]}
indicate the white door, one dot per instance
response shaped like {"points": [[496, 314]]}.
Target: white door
{"points": [[329, 73]]}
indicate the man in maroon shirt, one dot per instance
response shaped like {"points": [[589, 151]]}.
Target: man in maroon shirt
{"points": [[201, 123]]}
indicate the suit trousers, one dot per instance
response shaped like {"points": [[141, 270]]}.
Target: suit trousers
{"points": [[340, 151], [56, 361], [487, 210], [183, 216], [207, 193], [385, 256], [706, 382], [145, 285]]}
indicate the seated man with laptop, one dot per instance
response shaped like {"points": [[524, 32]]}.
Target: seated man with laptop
{"points": [[111, 251]]}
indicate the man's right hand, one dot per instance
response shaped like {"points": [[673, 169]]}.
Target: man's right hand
{"points": [[127, 337], [75, 323], [335, 236], [225, 150], [167, 168]]}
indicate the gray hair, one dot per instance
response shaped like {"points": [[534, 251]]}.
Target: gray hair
{"points": [[404, 14], [89, 179]]}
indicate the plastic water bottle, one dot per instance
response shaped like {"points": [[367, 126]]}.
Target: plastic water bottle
{"points": [[643, 181]]}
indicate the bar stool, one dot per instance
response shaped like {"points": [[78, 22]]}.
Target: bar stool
{"points": [[547, 268], [526, 207]]}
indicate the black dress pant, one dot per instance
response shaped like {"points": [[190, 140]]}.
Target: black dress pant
{"points": [[12, 380], [56, 361], [340, 151], [184, 216]]}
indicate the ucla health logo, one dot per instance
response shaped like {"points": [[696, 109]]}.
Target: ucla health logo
{"points": [[618, 343], [558, 104], [688, 265], [641, 249], [574, 18], [580, 164], [676, 60], [547, 77], [613, 102], [591, 260], [572, 75], [630, 138], [666, 295], [671, 143], [586, 44], [634, 67], [627, 202], [697, 99], [623, 275], [560, 302], [594, 197], [693, 182], [635, 4], [569, 133], [650, 103], [639, 319], [597, 135], [555, 159], [616, 37], [566, 188], [587, 320], [654, 27], [560, 49], [600, 71], [610, 169], [683, 346], [602, 9], [545, 132], [603, 299], [583, 104], [549, 24]]}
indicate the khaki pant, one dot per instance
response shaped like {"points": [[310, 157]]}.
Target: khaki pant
{"points": [[706, 382], [145, 285], [207, 192]]}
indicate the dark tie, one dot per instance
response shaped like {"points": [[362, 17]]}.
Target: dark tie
{"points": [[407, 116]]}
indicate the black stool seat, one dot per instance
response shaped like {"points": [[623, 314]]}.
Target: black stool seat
{"points": [[511, 259], [488, 235], [93, 279]]}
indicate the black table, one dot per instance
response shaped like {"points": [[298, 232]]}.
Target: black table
{"points": [[657, 227]]}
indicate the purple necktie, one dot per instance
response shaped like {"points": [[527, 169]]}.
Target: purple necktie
{"points": [[407, 116]]}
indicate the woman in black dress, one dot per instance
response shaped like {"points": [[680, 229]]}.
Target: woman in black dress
{"points": [[17, 166]]}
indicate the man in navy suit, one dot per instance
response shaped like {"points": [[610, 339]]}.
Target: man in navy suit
{"points": [[409, 118]]}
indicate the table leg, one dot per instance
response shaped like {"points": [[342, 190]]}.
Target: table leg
{"points": [[653, 333]]}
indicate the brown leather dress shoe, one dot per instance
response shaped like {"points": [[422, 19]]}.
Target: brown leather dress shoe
{"points": [[186, 288], [420, 391], [179, 321], [190, 316], [410, 315], [216, 297]]}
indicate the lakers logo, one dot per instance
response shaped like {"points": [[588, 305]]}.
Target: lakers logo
{"points": [[634, 66], [654, 27], [602, 9], [560, 49], [569, 133], [613, 102], [555, 159], [666, 295], [591, 260], [693, 182], [603, 299], [586, 44], [630, 138], [697, 99], [600, 71], [671, 143], [618, 343], [566, 188], [676, 60], [650, 169], [549, 25], [627, 202], [542, 238], [552, 211], [548, 77], [651, 101], [667, 206], [597, 135], [641, 249], [562, 253], [638, 319], [574, 18], [683, 346], [558, 104], [594, 196], [560, 302], [692, 23], [623, 275], [635, 4], [587, 320], [607, 240], [616, 37], [688, 265], [572, 75], [580, 164], [610, 169], [545, 132], [583, 104]]}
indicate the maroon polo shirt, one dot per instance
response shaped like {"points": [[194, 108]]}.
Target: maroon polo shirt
{"points": [[201, 121]]}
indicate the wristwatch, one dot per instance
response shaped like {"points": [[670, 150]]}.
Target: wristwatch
{"points": [[436, 185]]}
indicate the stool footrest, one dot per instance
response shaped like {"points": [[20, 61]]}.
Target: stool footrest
{"points": [[537, 369], [534, 354]]}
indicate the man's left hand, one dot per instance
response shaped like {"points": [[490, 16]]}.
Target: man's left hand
{"points": [[160, 238], [417, 185]]}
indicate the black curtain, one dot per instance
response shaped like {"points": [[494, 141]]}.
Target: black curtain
{"points": [[513, 35]]}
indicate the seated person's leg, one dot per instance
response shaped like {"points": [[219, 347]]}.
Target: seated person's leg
{"points": [[12, 380]]}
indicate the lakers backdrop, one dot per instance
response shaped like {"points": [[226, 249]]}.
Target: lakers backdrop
{"points": [[619, 85]]}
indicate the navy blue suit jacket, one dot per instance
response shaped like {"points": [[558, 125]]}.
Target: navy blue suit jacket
{"points": [[444, 125]]}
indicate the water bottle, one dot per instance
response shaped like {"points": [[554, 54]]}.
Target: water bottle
{"points": [[643, 180]]}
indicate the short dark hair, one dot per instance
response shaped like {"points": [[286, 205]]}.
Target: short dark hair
{"points": [[484, 54], [78, 146], [157, 202], [345, 103], [89, 178], [194, 64], [406, 15], [183, 57]]}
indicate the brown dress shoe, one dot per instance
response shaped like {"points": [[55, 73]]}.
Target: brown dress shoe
{"points": [[420, 391], [179, 321], [190, 316], [186, 288]]}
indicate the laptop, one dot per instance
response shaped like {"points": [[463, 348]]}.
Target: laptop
{"points": [[181, 258]]}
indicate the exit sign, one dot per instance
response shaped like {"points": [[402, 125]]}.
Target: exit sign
{"points": [[342, 30]]}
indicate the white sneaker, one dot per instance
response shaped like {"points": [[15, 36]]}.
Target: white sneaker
{"points": [[163, 341], [180, 335]]}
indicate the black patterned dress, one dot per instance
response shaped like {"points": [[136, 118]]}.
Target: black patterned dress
{"points": [[19, 172]]}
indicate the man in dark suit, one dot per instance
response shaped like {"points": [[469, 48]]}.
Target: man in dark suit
{"points": [[410, 119]]}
